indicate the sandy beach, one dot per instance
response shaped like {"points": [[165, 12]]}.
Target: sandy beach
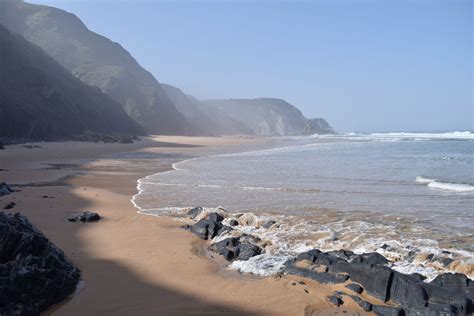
{"points": [[134, 264]]}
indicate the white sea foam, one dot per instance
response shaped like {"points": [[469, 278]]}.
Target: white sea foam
{"points": [[433, 183], [402, 136], [294, 235], [263, 265]]}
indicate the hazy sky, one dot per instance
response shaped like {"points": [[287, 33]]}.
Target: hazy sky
{"points": [[363, 65]]}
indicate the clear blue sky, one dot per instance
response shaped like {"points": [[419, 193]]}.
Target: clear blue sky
{"points": [[364, 65]]}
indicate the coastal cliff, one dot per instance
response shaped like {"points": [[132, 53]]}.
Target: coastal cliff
{"points": [[97, 61], [40, 100]]}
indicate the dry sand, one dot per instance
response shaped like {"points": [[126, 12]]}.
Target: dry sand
{"points": [[135, 264]]}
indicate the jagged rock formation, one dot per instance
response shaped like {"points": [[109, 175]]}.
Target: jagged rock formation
{"points": [[97, 61], [41, 100], [34, 273], [447, 294]]}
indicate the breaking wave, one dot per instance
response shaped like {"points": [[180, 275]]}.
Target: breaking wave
{"points": [[433, 183]]}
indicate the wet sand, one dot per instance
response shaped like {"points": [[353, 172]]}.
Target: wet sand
{"points": [[135, 264]]}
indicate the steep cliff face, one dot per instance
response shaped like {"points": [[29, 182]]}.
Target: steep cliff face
{"points": [[41, 100], [206, 120], [264, 116], [318, 126], [97, 61]]}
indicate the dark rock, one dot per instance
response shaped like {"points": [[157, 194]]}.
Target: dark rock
{"points": [[1, 146], [444, 261], [372, 258], [321, 277], [268, 224], [344, 254], [407, 290], [215, 217], [418, 276], [376, 280], [366, 306], [9, 206], [85, 217], [5, 189], [233, 223], [335, 300], [233, 249], [355, 287], [195, 211], [247, 251], [206, 229], [126, 140], [387, 310], [309, 255], [447, 294], [448, 280], [34, 273], [318, 257], [223, 230], [458, 297]]}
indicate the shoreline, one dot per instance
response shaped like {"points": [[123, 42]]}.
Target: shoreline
{"points": [[136, 264], [429, 262]]}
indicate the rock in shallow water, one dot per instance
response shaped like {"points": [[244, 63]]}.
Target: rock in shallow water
{"points": [[195, 211], [34, 273]]}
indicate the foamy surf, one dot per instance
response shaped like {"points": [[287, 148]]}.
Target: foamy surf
{"points": [[435, 242], [433, 183], [401, 136]]}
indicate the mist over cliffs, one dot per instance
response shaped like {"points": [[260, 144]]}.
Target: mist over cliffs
{"points": [[157, 108], [40, 100], [97, 61], [262, 116]]}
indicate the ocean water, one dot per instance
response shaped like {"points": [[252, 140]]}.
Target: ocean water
{"points": [[405, 195]]}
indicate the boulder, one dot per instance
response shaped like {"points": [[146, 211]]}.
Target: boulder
{"points": [[387, 310], [372, 258], [9, 206], [233, 249], [268, 224], [376, 280], [247, 251], [451, 280], [321, 277], [195, 211], [215, 217], [233, 223], [5, 189], [407, 290], [206, 229], [2, 146], [355, 288], [85, 217], [366, 306], [344, 254], [335, 300], [34, 273]]}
